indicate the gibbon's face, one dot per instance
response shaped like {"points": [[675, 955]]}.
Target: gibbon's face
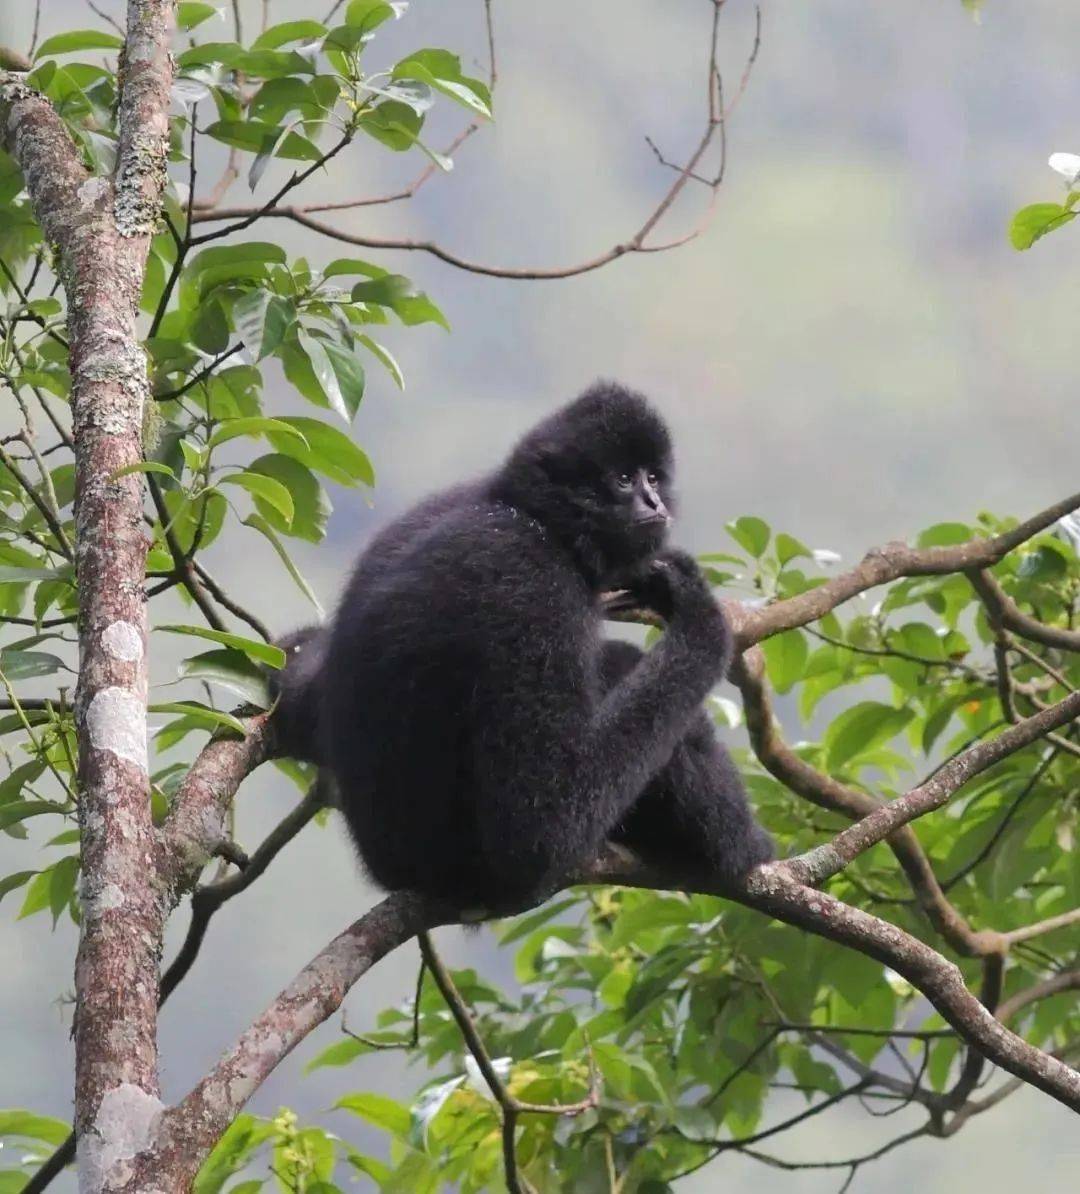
{"points": [[625, 502], [636, 499]]}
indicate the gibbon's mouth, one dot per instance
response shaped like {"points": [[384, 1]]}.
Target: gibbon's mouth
{"points": [[651, 520]]}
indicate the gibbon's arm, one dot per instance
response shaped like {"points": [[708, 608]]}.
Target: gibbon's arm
{"points": [[556, 772]]}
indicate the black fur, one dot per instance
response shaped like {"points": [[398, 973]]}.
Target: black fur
{"points": [[295, 690], [694, 813], [482, 739]]}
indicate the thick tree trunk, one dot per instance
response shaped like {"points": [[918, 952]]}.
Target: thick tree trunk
{"points": [[101, 228]]}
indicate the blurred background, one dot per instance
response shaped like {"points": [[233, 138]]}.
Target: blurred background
{"points": [[852, 351]]}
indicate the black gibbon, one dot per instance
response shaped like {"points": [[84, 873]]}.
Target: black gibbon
{"points": [[482, 737]]}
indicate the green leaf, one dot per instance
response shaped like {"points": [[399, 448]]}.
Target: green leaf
{"points": [[34, 1127], [254, 648], [341, 1053], [20, 810], [379, 1110], [442, 70], [262, 63], [522, 926], [21, 778], [789, 548], [386, 358], [655, 912], [254, 425], [945, 534], [186, 515], [262, 321], [267, 489], [24, 665], [1035, 221], [398, 293], [144, 466], [78, 39], [190, 14], [14, 881], [695, 1123], [254, 136], [232, 670], [311, 506], [242, 1137], [20, 574], [860, 728], [211, 718], [352, 265], [276, 97], [1042, 564], [785, 657], [52, 889], [338, 372], [262, 526], [254, 252], [279, 35], [368, 14], [210, 328], [392, 124], [751, 534], [325, 449]]}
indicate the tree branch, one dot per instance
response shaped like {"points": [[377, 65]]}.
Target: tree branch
{"points": [[636, 243], [826, 860], [1005, 612], [196, 820], [189, 1129], [101, 229], [510, 1106], [785, 765], [890, 562]]}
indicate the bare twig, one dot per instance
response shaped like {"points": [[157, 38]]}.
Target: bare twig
{"points": [[638, 242]]}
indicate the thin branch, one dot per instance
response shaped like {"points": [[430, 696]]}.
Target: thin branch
{"points": [[914, 1034], [202, 375], [971, 1071], [63, 544], [636, 243], [205, 901], [100, 12], [1067, 980], [1052, 923], [850, 1163], [888, 563], [37, 26], [510, 1107], [196, 820], [181, 562], [268, 208], [1002, 609], [826, 860], [795, 773], [716, 1147], [226, 602], [414, 1035], [1006, 687], [1044, 766]]}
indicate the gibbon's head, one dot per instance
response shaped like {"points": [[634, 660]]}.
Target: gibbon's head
{"points": [[597, 473]]}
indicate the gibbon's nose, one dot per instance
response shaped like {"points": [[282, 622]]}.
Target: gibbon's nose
{"points": [[648, 505]]}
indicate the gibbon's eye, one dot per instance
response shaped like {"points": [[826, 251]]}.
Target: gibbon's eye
{"points": [[624, 482], [652, 479]]}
